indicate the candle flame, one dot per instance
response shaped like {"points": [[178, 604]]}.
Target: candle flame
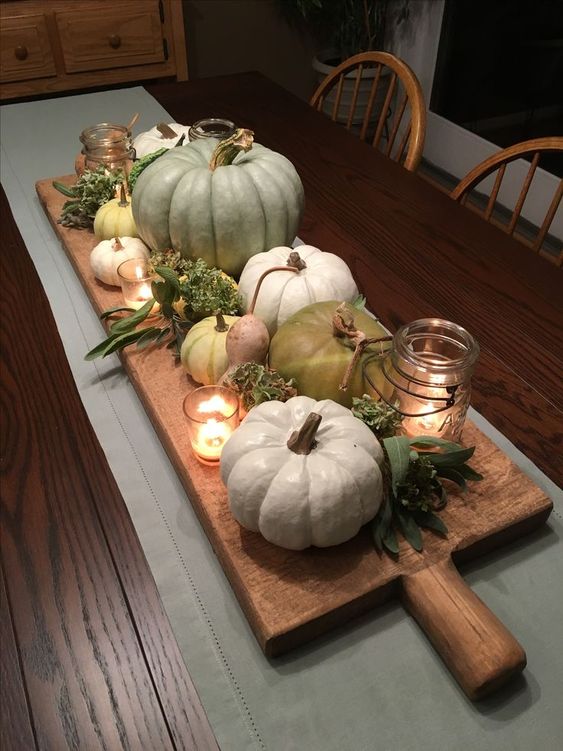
{"points": [[139, 272], [215, 404]]}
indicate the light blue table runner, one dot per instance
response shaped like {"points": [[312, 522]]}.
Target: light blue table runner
{"points": [[374, 684]]}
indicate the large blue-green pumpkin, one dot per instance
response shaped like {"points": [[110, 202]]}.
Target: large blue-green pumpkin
{"points": [[223, 201]]}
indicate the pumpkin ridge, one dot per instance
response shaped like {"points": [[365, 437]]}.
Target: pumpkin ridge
{"points": [[272, 224], [250, 182]]}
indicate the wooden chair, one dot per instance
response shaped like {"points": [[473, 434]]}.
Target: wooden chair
{"points": [[498, 163], [389, 118]]}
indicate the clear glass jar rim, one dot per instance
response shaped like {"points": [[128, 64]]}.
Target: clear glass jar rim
{"points": [[423, 327], [197, 129], [139, 261], [212, 390], [89, 134]]}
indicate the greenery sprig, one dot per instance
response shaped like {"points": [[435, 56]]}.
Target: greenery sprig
{"points": [[413, 472], [415, 468], [92, 189], [383, 420], [190, 294], [256, 384]]}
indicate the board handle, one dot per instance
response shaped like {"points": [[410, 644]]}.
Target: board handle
{"points": [[478, 649]]}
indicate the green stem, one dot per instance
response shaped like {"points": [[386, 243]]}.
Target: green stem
{"points": [[226, 151]]}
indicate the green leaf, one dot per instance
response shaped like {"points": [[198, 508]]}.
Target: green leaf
{"points": [[129, 322], [99, 349], [409, 528], [163, 334], [169, 275], [122, 341], [64, 189], [452, 458], [451, 474], [150, 335], [117, 309], [429, 520], [380, 524], [469, 473], [426, 440], [398, 452], [390, 541]]}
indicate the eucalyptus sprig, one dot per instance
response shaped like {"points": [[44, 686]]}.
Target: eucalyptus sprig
{"points": [[414, 470]]}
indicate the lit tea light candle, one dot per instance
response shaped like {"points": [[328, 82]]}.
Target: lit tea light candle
{"points": [[212, 414], [135, 280]]}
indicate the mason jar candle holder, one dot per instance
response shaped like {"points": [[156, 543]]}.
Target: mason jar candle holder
{"points": [[107, 145], [212, 417], [135, 279], [430, 367]]}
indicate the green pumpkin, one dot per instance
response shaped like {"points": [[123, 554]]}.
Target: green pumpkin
{"points": [[308, 348], [223, 201], [203, 352]]}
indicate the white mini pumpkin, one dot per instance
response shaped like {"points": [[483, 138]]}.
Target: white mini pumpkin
{"points": [[152, 140], [294, 499], [324, 276], [108, 254]]}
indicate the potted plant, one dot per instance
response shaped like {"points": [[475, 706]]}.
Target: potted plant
{"points": [[343, 28]]}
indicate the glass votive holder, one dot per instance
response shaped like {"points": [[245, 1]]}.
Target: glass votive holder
{"points": [[135, 279], [212, 127], [212, 415]]}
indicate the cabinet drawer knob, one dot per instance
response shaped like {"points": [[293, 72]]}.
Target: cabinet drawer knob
{"points": [[21, 52], [115, 41]]}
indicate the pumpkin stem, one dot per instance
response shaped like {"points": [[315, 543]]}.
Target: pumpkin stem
{"points": [[226, 150], [221, 323], [117, 244], [302, 441], [296, 261], [261, 279], [123, 202], [166, 131], [360, 346]]}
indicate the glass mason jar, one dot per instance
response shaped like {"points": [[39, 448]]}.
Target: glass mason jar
{"points": [[211, 127], [107, 145], [430, 368]]}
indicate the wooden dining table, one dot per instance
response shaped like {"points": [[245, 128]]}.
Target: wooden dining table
{"points": [[89, 659]]}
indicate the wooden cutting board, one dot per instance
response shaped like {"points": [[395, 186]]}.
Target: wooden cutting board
{"points": [[291, 597]]}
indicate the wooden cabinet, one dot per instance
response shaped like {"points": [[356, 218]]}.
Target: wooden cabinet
{"points": [[48, 46]]}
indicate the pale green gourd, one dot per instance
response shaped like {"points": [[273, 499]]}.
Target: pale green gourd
{"points": [[223, 201], [203, 354], [115, 219]]}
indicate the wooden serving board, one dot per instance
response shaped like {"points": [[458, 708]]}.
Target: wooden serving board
{"points": [[291, 597]]}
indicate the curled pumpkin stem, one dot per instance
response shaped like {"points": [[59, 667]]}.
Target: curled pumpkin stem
{"points": [[343, 326], [261, 279]]}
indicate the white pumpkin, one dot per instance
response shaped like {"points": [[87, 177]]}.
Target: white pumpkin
{"points": [[324, 276], [108, 254], [294, 499], [152, 140]]}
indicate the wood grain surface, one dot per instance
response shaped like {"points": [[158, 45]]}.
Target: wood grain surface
{"points": [[88, 656], [290, 597], [415, 253]]}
